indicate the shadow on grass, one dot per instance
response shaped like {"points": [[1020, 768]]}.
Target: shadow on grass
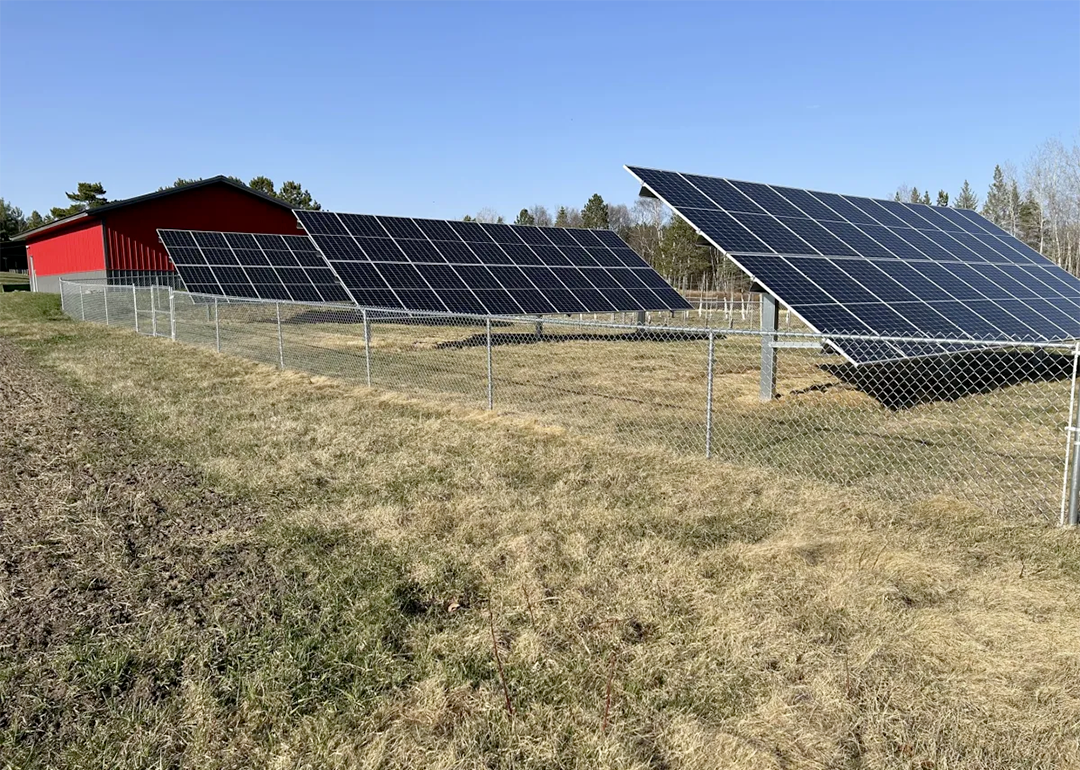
{"points": [[524, 338], [908, 384]]}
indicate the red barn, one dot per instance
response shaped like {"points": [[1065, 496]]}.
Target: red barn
{"points": [[118, 242]]}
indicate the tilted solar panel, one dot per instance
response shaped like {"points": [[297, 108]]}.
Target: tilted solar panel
{"points": [[849, 265], [470, 267], [279, 267]]}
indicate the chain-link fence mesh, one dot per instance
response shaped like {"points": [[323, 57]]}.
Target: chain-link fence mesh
{"points": [[989, 426]]}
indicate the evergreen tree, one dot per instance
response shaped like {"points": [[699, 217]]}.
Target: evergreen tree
{"points": [[1014, 208], [525, 218], [12, 221], [1031, 225], [996, 208], [595, 215], [467, 218], [942, 198], [35, 220], [967, 199], [916, 197], [897, 197], [681, 253], [295, 195], [88, 195], [262, 184], [925, 198], [562, 218]]}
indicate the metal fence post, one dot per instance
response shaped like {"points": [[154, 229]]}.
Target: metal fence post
{"points": [[709, 397], [82, 304], [153, 312], [135, 307], [217, 327], [280, 339], [490, 378], [770, 316], [1070, 499], [63, 297], [105, 297], [172, 315], [367, 346]]}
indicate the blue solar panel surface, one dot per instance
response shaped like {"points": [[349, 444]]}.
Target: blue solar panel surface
{"points": [[471, 267], [849, 265], [278, 267]]}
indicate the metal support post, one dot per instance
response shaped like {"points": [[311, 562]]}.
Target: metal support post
{"points": [[1071, 510], [709, 397], [217, 327], [280, 339], [367, 346], [770, 317], [172, 315], [63, 296], [539, 328], [105, 298], [135, 307], [641, 320], [153, 312], [82, 304], [491, 380]]}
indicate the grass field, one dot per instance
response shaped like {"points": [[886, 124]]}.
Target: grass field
{"points": [[13, 279], [211, 563]]}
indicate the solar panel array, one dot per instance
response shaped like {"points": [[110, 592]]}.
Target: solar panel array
{"points": [[496, 269], [279, 267], [849, 265]]}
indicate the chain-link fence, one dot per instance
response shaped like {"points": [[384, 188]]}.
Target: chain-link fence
{"points": [[988, 426]]}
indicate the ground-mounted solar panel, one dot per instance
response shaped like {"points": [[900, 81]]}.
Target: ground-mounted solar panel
{"points": [[255, 265], [851, 265], [471, 267]]}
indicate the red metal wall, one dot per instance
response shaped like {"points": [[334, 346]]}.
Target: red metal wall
{"points": [[132, 232], [75, 249]]}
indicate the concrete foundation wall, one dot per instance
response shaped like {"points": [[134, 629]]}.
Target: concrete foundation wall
{"points": [[51, 283]]}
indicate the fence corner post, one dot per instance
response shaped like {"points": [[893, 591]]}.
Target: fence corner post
{"points": [[367, 346], [280, 339], [490, 372], [172, 314], [709, 395]]}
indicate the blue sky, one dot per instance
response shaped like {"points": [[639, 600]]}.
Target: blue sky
{"points": [[439, 110]]}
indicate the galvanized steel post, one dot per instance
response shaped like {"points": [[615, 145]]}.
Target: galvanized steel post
{"points": [[135, 307], [367, 346], [709, 397], [82, 304], [217, 328], [1073, 514], [490, 378], [280, 339], [770, 317], [105, 298], [153, 312], [172, 315], [63, 296]]}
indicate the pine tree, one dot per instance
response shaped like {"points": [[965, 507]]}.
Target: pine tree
{"points": [[996, 208], [967, 199], [925, 198], [295, 195], [12, 221], [942, 198], [916, 197], [562, 218], [595, 215], [467, 218], [525, 218], [88, 195], [1031, 225], [262, 184], [1014, 208], [35, 220]]}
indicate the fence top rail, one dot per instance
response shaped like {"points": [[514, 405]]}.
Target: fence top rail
{"points": [[689, 331]]}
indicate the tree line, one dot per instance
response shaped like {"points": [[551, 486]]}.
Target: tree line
{"points": [[89, 195]]}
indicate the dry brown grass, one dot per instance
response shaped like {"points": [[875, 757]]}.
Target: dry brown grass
{"points": [[754, 619]]}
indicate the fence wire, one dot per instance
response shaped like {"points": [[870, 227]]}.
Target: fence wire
{"points": [[990, 427]]}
